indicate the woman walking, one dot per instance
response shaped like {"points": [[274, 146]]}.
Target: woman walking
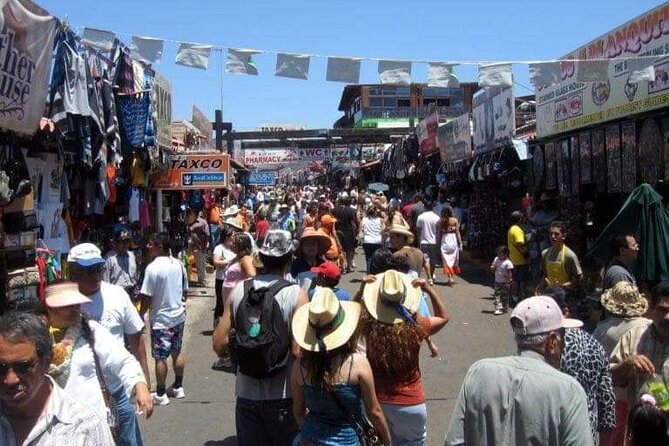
{"points": [[330, 382], [393, 332], [371, 230], [450, 243], [223, 257]]}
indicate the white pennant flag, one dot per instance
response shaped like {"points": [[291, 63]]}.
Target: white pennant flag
{"points": [[342, 69], [295, 66], [193, 55], [641, 69], [441, 74], [545, 73], [495, 75], [240, 61], [98, 38], [395, 72], [592, 70], [147, 48]]}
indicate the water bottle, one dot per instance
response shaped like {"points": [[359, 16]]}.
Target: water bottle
{"points": [[659, 390]]}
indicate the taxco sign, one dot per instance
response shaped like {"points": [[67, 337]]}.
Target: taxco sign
{"points": [[194, 172]]}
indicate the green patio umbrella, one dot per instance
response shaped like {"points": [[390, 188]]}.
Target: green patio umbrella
{"points": [[644, 215]]}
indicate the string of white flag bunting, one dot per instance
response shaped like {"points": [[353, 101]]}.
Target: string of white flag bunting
{"points": [[398, 72]]}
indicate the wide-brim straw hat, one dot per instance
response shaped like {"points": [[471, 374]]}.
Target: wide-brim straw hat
{"points": [[624, 299], [231, 211], [402, 230], [324, 241], [233, 222], [64, 295], [326, 323], [390, 290]]}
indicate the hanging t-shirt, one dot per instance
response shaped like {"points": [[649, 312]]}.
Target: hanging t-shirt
{"points": [[144, 215], [111, 182], [133, 205]]}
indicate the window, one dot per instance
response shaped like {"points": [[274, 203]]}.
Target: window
{"points": [[388, 91], [375, 102], [375, 92], [402, 102], [428, 101], [403, 91], [390, 102], [446, 102]]}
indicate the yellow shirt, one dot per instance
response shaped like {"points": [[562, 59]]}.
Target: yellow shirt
{"points": [[514, 238]]}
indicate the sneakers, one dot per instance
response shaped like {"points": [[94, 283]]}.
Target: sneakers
{"points": [[498, 311], [225, 365], [178, 393], [161, 400], [431, 282]]}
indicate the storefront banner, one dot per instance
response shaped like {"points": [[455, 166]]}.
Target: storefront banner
{"points": [[494, 118], [310, 155], [162, 90], [427, 133], [237, 152], [194, 172], [571, 105], [203, 124], [26, 43], [260, 157], [454, 140], [263, 178]]}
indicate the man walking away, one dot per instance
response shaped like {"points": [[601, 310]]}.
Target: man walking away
{"points": [[260, 311], [121, 266], [426, 227], [164, 291], [625, 251], [524, 399]]}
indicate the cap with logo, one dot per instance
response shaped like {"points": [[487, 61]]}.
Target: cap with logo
{"points": [[85, 254]]}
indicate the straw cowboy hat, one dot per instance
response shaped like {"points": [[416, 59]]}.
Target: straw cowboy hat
{"points": [[391, 298], [323, 240], [64, 294], [401, 230], [233, 222], [624, 299], [231, 211], [326, 323]]}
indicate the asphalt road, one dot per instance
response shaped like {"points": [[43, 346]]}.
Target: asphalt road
{"points": [[206, 415]]}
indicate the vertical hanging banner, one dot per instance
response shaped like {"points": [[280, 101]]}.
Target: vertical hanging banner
{"points": [[203, 124], [26, 43], [494, 118], [427, 134], [162, 91]]}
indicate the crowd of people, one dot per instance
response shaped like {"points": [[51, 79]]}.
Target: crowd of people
{"points": [[317, 365]]}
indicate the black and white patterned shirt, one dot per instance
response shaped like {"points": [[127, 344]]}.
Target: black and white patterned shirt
{"points": [[584, 358], [65, 422]]}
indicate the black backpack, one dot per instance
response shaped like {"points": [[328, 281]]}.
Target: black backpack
{"points": [[262, 336]]}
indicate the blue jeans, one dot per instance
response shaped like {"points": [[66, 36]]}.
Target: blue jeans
{"points": [[269, 423], [128, 428], [369, 249], [407, 424]]}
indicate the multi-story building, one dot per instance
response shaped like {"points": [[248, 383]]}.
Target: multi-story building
{"points": [[383, 105]]}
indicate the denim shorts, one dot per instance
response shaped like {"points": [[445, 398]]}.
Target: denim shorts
{"points": [[407, 424], [166, 341]]}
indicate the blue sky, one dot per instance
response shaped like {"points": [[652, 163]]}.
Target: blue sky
{"points": [[439, 30]]}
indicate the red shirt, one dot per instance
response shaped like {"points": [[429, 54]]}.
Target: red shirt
{"points": [[409, 390], [262, 226], [406, 209]]}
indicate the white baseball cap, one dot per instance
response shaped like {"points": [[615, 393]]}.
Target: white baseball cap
{"points": [[85, 254], [540, 314]]}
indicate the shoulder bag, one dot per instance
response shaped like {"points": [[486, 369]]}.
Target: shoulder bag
{"points": [[366, 432]]}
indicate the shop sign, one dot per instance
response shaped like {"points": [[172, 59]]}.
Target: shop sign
{"points": [[203, 124], [26, 41], [454, 140], [494, 118], [263, 178], [194, 172], [281, 127], [571, 105], [260, 157], [237, 152], [162, 91], [310, 155], [427, 133]]}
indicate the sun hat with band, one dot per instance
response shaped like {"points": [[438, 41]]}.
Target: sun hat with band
{"points": [[391, 298], [401, 230], [624, 299], [539, 315], [64, 294], [326, 323], [322, 239]]}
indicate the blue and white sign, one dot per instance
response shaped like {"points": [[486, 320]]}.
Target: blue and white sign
{"points": [[265, 178], [204, 179]]}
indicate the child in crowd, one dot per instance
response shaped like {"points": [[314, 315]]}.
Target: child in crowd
{"points": [[503, 269], [646, 424], [327, 276]]}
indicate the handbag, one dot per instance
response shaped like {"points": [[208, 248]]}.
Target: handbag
{"points": [[366, 432]]}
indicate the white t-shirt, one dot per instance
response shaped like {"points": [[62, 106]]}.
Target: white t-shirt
{"points": [[371, 230], [112, 308], [165, 282], [225, 254], [502, 270], [427, 226]]}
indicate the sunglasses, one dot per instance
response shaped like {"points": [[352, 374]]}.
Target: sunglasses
{"points": [[21, 368]]}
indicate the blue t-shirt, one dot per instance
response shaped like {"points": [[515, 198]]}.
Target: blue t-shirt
{"points": [[340, 293]]}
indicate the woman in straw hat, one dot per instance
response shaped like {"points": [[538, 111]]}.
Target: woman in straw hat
{"points": [[310, 253], [330, 382], [393, 332], [80, 343]]}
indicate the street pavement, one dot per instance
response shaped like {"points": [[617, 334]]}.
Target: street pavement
{"points": [[206, 416]]}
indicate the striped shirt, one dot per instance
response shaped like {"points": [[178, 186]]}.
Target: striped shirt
{"points": [[65, 422], [642, 341]]}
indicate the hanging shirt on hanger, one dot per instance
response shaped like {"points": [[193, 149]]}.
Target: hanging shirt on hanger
{"points": [[133, 205]]}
